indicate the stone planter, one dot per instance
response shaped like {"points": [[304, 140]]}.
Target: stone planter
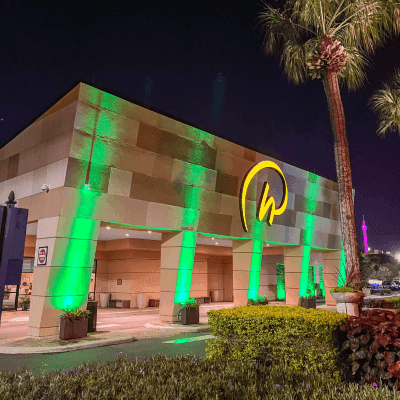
{"points": [[190, 316], [347, 302], [73, 328]]}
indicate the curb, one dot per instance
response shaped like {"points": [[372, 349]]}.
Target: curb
{"points": [[129, 337], [58, 349]]}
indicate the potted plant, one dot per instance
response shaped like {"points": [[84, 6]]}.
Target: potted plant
{"points": [[351, 293], [24, 303], [258, 301], [74, 324], [190, 312], [308, 302]]}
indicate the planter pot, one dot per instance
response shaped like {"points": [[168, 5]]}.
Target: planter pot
{"points": [[104, 297], [347, 302], [141, 300], [25, 306], [190, 316], [307, 302], [73, 328]]}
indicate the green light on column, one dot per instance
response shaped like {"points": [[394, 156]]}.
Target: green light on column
{"points": [[311, 280], [70, 277], [184, 278], [321, 279], [280, 282], [256, 259], [311, 206], [342, 270], [255, 269]]}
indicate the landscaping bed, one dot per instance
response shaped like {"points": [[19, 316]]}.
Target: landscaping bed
{"points": [[355, 358], [182, 378]]}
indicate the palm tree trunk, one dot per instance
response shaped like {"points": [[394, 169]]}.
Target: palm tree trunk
{"points": [[343, 173]]}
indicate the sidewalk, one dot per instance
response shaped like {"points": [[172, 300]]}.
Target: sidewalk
{"points": [[29, 345]]}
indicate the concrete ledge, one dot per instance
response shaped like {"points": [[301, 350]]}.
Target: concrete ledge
{"points": [[55, 345]]}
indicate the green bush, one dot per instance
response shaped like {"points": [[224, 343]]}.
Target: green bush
{"points": [[182, 378], [295, 335], [342, 289]]}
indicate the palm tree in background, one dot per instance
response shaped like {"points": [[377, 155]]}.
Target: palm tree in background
{"points": [[386, 103], [331, 40]]}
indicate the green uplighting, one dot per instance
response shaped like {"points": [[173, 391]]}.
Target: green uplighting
{"points": [[311, 204], [342, 269], [280, 282], [321, 279]]}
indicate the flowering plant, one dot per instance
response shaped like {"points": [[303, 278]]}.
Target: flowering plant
{"points": [[24, 300], [75, 314], [258, 301], [191, 304]]}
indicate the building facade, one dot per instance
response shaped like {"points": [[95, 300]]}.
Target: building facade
{"points": [[149, 197]]}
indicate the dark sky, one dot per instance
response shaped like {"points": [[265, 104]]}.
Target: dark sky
{"points": [[181, 47]]}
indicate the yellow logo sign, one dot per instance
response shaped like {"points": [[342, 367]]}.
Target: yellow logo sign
{"points": [[266, 204]]}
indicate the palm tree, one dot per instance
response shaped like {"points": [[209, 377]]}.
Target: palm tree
{"points": [[386, 103], [330, 40]]}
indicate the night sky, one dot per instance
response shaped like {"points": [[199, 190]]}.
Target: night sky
{"points": [[179, 57]]}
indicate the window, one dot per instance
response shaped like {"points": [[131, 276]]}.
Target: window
{"points": [[27, 264]]}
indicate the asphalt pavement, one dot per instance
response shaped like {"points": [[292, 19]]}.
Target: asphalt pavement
{"points": [[41, 364]]}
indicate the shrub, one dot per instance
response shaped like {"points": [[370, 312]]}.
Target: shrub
{"points": [[182, 378], [268, 335], [371, 350], [342, 289]]}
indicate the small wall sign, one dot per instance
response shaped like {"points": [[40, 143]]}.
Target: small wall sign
{"points": [[119, 281], [42, 255]]}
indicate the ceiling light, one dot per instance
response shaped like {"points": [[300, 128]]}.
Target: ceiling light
{"points": [[267, 244], [216, 242], [212, 238], [108, 227], [148, 231], [126, 234]]}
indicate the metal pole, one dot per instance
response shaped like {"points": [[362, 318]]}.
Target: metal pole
{"points": [[2, 273]]}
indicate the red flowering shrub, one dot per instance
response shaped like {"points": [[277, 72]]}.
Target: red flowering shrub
{"points": [[369, 347]]}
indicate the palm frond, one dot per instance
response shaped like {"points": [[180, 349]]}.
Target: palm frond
{"points": [[278, 29], [363, 24], [293, 59], [360, 26], [354, 75], [386, 104]]}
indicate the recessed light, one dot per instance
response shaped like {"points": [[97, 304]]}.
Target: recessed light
{"points": [[108, 227], [212, 238], [148, 231], [126, 234], [216, 242], [267, 244]]}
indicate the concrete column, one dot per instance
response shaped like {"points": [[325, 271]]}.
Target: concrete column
{"points": [[177, 257], [331, 264], [65, 279], [293, 257], [247, 256]]}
